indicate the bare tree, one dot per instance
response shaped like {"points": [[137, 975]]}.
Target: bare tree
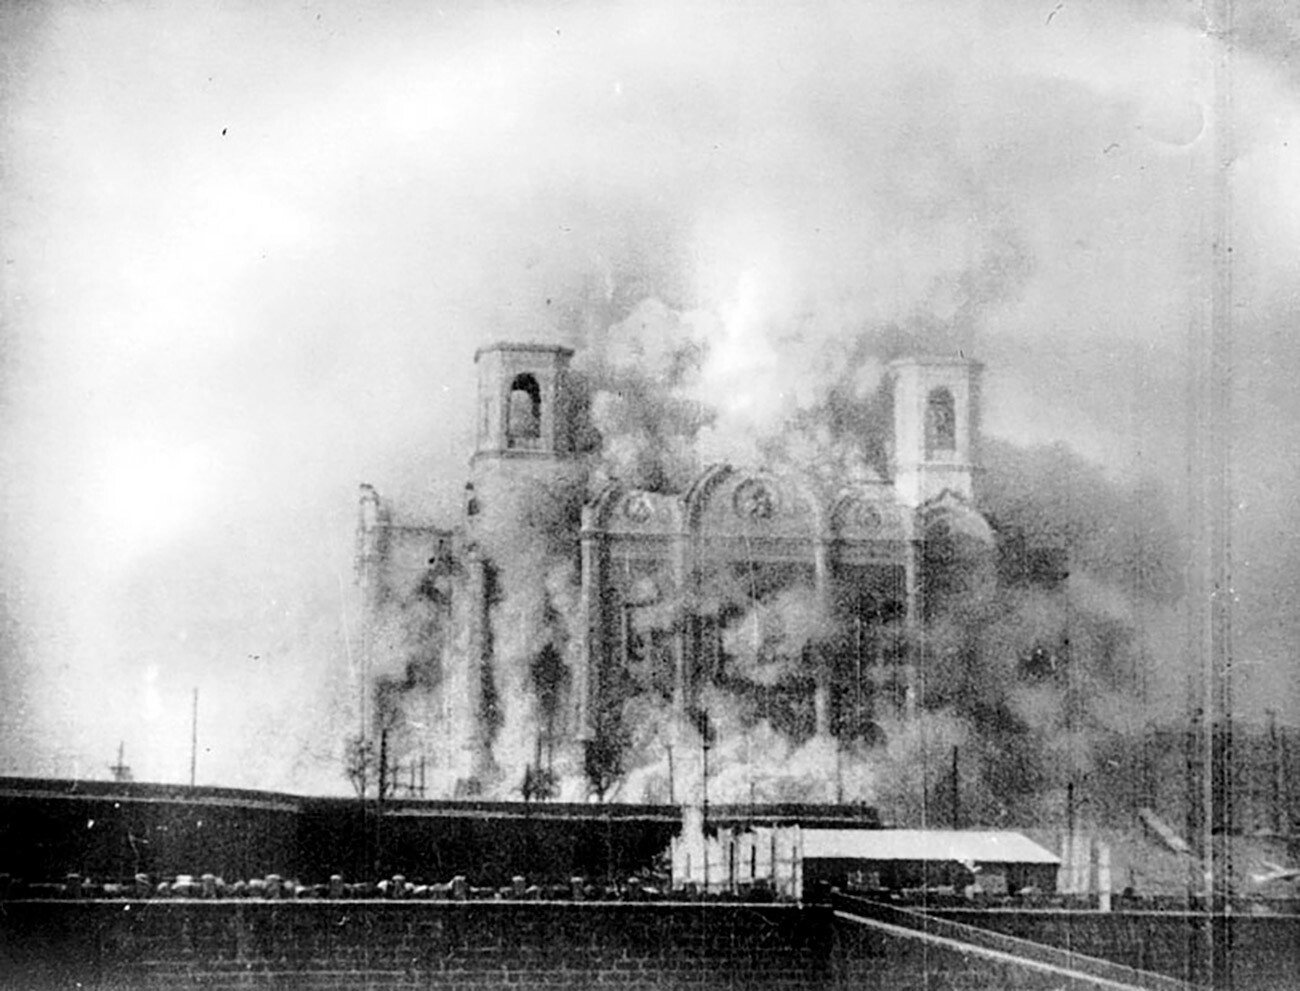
{"points": [[360, 762]]}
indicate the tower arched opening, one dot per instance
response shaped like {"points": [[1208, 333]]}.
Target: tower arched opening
{"points": [[940, 423], [524, 412]]}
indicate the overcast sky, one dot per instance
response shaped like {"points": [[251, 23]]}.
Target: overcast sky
{"points": [[249, 250]]}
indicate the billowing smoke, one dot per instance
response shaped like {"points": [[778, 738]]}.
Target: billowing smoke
{"points": [[769, 642], [643, 382], [505, 586], [737, 215], [535, 631], [1037, 657]]}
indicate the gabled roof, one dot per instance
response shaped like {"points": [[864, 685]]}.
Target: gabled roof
{"points": [[961, 846]]}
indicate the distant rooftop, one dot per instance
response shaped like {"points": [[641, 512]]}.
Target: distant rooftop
{"points": [[961, 846]]}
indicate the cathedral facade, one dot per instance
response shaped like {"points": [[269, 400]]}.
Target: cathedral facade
{"points": [[803, 599]]}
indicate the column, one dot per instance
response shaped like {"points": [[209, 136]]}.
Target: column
{"points": [[821, 676], [681, 675], [586, 679], [476, 660], [914, 663]]}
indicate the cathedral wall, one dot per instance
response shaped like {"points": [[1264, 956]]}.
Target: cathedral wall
{"points": [[561, 610]]}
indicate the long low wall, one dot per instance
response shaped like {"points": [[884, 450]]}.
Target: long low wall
{"points": [[107, 946], [1260, 952], [114, 830], [987, 949], [120, 945], [876, 954]]}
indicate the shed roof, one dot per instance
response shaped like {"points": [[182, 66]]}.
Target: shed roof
{"points": [[962, 846]]}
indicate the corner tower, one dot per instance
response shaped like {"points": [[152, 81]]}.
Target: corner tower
{"points": [[936, 428], [521, 400], [522, 471], [522, 515]]}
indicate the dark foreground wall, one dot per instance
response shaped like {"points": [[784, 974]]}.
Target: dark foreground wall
{"points": [[1256, 952], [319, 945], [110, 830], [107, 946], [487, 842], [870, 957]]}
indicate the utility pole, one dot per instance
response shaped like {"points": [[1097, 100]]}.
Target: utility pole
{"points": [[1210, 591], [672, 796], [704, 811], [120, 770]]}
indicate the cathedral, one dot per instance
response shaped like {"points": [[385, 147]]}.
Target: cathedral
{"points": [[798, 597]]}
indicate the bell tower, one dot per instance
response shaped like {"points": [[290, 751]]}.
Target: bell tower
{"points": [[523, 470], [520, 402], [936, 427], [522, 514]]}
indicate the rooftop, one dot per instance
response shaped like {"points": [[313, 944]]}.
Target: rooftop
{"points": [[532, 348], [961, 846]]}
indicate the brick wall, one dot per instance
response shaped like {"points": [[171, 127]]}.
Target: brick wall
{"points": [[870, 958], [1260, 952], [320, 945]]}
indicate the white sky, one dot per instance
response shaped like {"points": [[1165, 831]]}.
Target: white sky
{"points": [[249, 250]]}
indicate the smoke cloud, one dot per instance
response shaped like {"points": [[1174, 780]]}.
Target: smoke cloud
{"points": [[249, 255]]}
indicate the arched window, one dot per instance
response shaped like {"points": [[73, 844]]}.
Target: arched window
{"points": [[524, 412], [940, 422]]}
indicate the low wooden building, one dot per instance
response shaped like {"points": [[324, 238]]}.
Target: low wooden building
{"points": [[995, 861]]}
